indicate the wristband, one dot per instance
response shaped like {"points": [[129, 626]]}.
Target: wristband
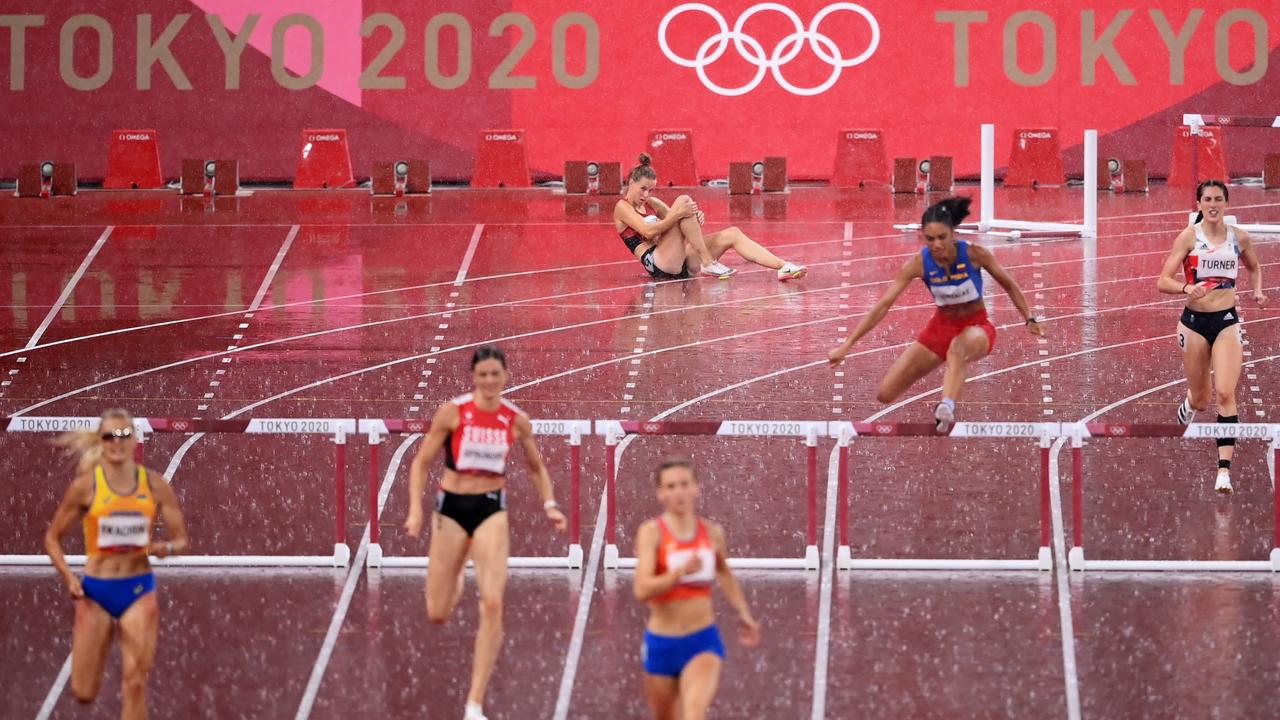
{"points": [[1184, 288], [550, 505]]}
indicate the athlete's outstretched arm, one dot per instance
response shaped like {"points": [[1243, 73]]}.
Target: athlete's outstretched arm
{"points": [[749, 629], [444, 422], [912, 269], [988, 262], [538, 471]]}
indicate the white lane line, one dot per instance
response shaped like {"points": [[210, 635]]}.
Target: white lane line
{"points": [[275, 267], [822, 651], [471, 253], [577, 638], [55, 692], [349, 589], [1069, 675], [503, 276], [71, 286]]}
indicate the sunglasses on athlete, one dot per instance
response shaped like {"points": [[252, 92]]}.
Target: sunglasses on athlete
{"points": [[117, 434]]}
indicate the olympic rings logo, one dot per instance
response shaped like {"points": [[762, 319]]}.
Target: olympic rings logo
{"points": [[784, 52]]}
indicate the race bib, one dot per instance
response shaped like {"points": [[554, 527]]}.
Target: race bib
{"points": [[123, 531], [958, 294]]}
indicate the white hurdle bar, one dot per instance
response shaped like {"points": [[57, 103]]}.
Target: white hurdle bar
{"points": [[573, 430], [1253, 431], [1196, 121], [614, 430], [989, 224], [845, 432], [337, 428]]}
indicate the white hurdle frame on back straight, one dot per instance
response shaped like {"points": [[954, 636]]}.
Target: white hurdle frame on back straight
{"points": [[989, 224]]}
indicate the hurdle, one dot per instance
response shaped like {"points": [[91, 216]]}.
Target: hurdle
{"points": [[336, 428], [989, 224], [1197, 121], [614, 430], [377, 429], [845, 432], [1078, 432]]}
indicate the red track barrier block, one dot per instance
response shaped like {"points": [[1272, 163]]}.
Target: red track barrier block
{"points": [[860, 158], [501, 160], [1197, 157], [194, 181], [673, 159], [941, 176], [775, 174], [324, 160], [741, 181], [30, 182], [610, 180], [1271, 172], [906, 175], [1133, 176], [1036, 159], [133, 160], [576, 181]]}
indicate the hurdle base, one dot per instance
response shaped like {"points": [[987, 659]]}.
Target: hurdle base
{"points": [[420, 563], [844, 558], [374, 557], [812, 558], [1075, 559], [777, 563], [1180, 566], [611, 557], [1045, 559], [938, 564], [575, 556], [1275, 560], [342, 554]]}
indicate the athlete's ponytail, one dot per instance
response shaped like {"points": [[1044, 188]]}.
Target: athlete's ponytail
{"points": [[643, 171], [86, 444], [948, 211]]}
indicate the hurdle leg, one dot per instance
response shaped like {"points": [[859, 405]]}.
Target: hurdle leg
{"points": [[1075, 558], [1275, 492], [1045, 556], [374, 558], [611, 502], [341, 551], [811, 556], [844, 556], [575, 492]]}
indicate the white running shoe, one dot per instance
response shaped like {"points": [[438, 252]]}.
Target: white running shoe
{"points": [[791, 271], [944, 417], [1223, 483], [715, 268], [1186, 413], [473, 712]]}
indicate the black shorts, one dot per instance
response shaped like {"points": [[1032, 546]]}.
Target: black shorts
{"points": [[470, 510], [1209, 324], [658, 273]]}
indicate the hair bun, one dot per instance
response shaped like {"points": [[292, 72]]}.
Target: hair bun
{"points": [[645, 159]]}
